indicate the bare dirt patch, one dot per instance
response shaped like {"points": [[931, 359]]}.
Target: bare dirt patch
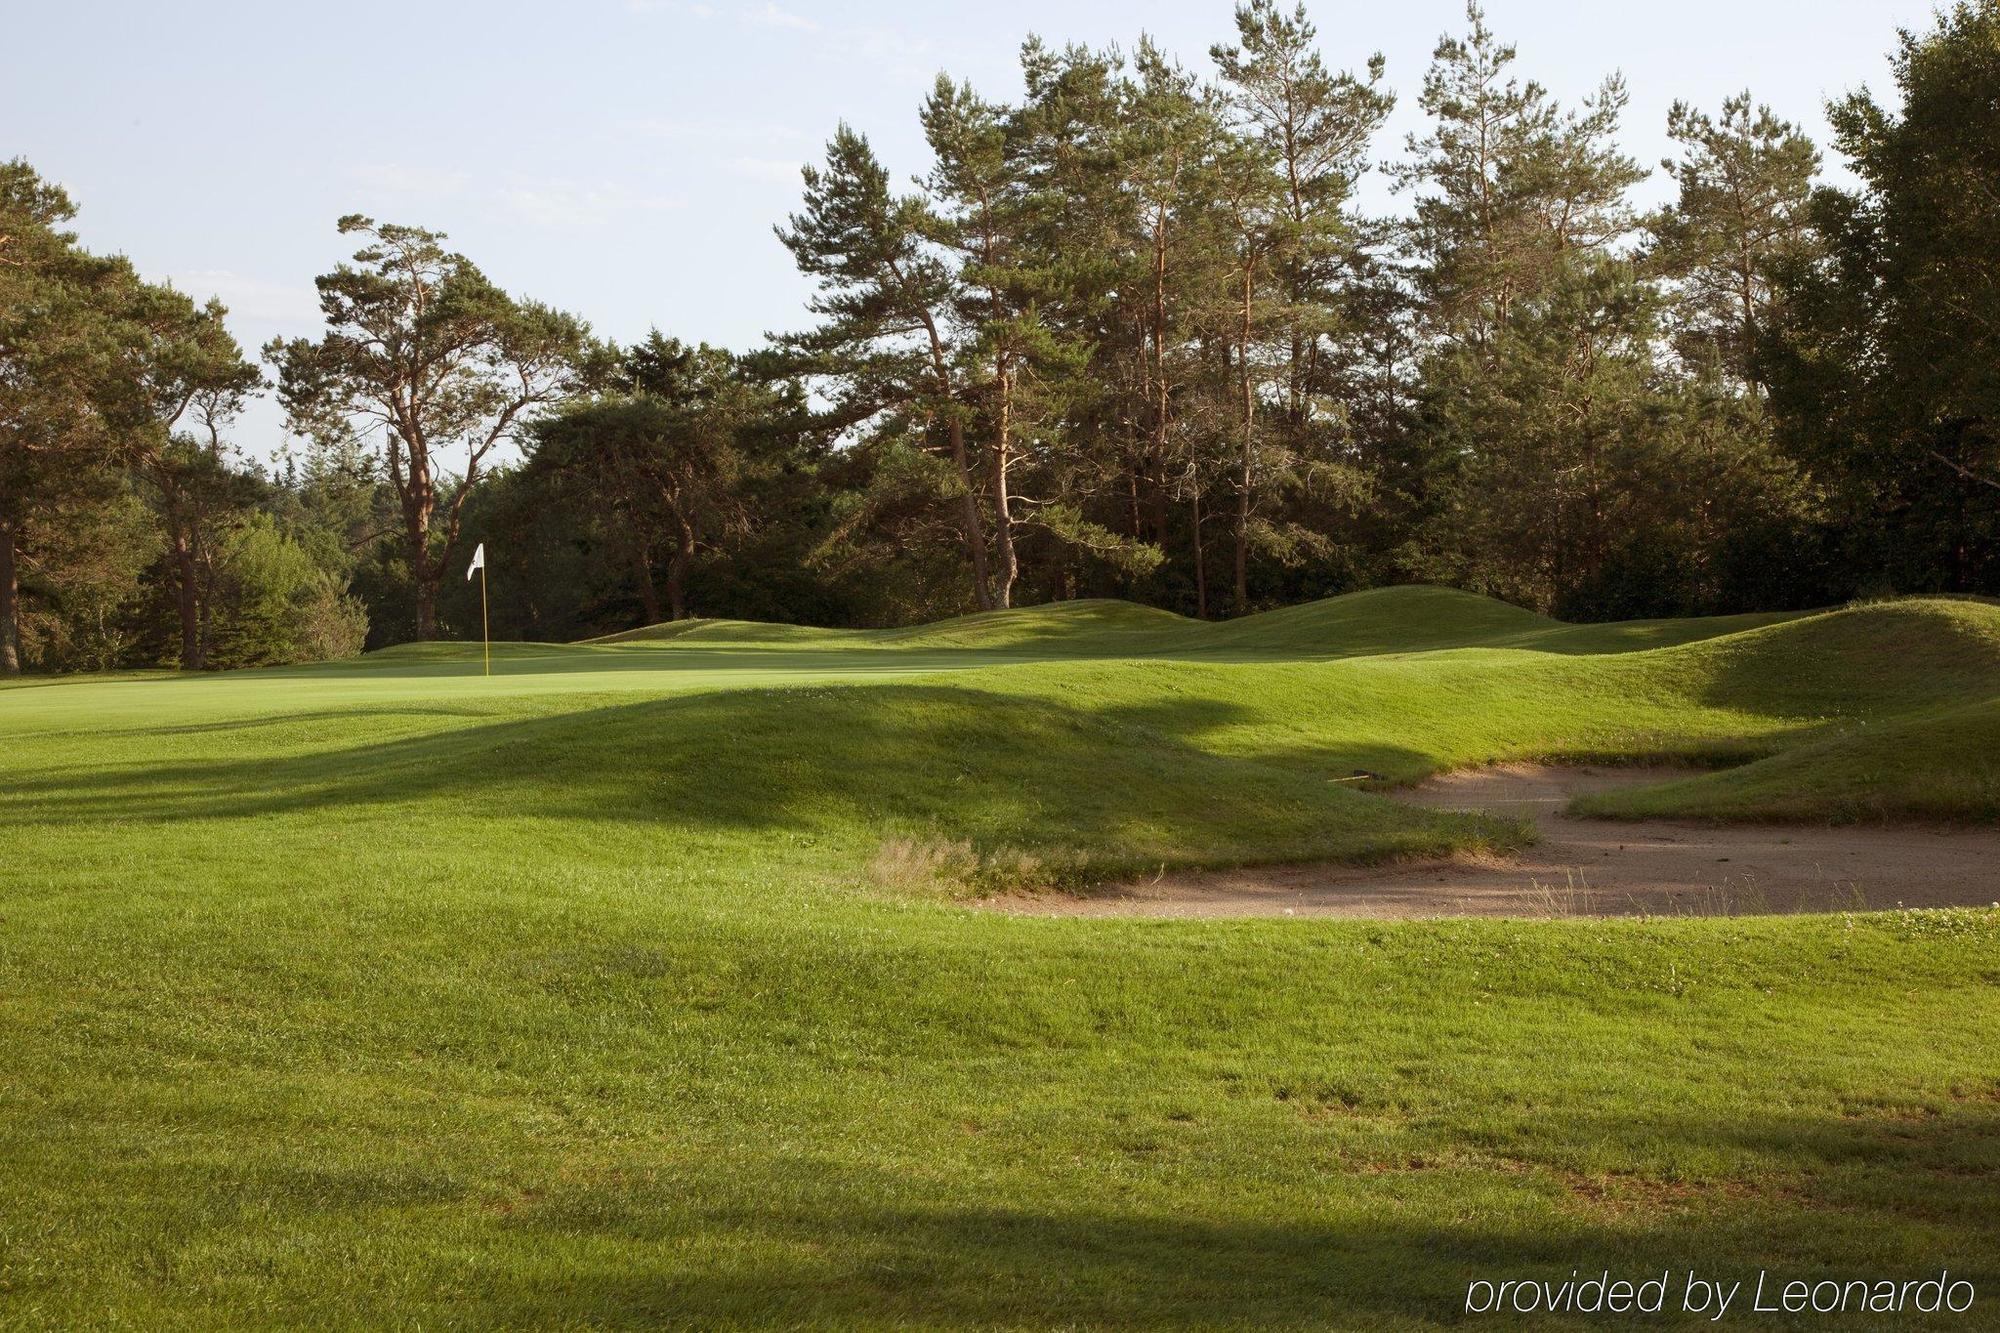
{"points": [[1589, 867]]}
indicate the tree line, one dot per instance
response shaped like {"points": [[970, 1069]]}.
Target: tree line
{"points": [[1132, 334]]}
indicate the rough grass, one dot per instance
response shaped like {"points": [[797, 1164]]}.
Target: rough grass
{"points": [[619, 989]]}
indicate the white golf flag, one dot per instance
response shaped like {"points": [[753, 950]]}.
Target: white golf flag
{"points": [[478, 561]]}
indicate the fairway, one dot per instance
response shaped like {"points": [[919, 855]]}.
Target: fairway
{"points": [[637, 983]]}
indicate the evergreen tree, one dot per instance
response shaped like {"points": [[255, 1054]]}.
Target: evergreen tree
{"points": [[425, 357], [76, 359], [1552, 422], [1741, 215], [1510, 187], [884, 349], [1885, 373], [1306, 134], [197, 383], [659, 460], [977, 213]]}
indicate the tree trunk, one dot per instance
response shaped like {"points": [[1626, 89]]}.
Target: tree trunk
{"points": [[642, 575], [1200, 566], [1159, 375], [10, 604], [419, 503], [677, 573], [968, 505], [188, 596], [1158, 382], [1003, 531], [427, 600], [968, 508], [1244, 479]]}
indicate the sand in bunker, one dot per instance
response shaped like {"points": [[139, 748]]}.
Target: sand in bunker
{"points": [[1590, 867]]}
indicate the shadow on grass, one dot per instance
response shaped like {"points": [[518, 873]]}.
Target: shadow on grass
{"points": [[917, 759], [847, 1245], [853, 1263], [1331, 759]]}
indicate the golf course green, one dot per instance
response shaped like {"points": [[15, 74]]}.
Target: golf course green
{"points": [[640, 982]]}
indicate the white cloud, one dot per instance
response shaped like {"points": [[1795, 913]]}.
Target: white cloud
{"points": [[772, 170], [765, 15], [714, 129], [249, 298], [544, 201], [883, 52], [768, 15], [560, 203], [401, 179], [670, 7]]}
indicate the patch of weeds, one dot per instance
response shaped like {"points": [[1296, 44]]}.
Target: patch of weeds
{"points": [[956, 869], [922, 865], [1936, 923]]}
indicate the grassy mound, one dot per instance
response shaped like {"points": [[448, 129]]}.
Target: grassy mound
{"points": [[915, 762], [1406, 619], [1090, 627], [1901, 703], [1942, 765], [1876, 659], [1071, 628], [1382, 620]]}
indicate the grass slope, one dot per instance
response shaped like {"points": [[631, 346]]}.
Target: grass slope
{"points": [[388, 994], [1943, 764]]}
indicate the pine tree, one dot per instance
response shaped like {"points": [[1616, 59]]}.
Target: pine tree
{"points": [[1306, 133], [1745, 182], [885, 346], [425, 357], [198, 383], [1509, 186]]}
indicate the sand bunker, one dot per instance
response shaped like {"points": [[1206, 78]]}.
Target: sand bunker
{"points": [[1590, 867]]}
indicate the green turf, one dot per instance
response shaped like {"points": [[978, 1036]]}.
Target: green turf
{"points": [[1940, 763], [610, 991]]}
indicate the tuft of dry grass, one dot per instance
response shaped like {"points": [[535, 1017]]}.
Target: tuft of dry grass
{"points": [[923, 865], [954, 868]]}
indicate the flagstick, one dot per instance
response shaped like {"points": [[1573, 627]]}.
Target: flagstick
{"points": [[485, 631]]}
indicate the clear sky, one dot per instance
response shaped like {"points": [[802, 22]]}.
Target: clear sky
{"points": [[626, 159]]}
